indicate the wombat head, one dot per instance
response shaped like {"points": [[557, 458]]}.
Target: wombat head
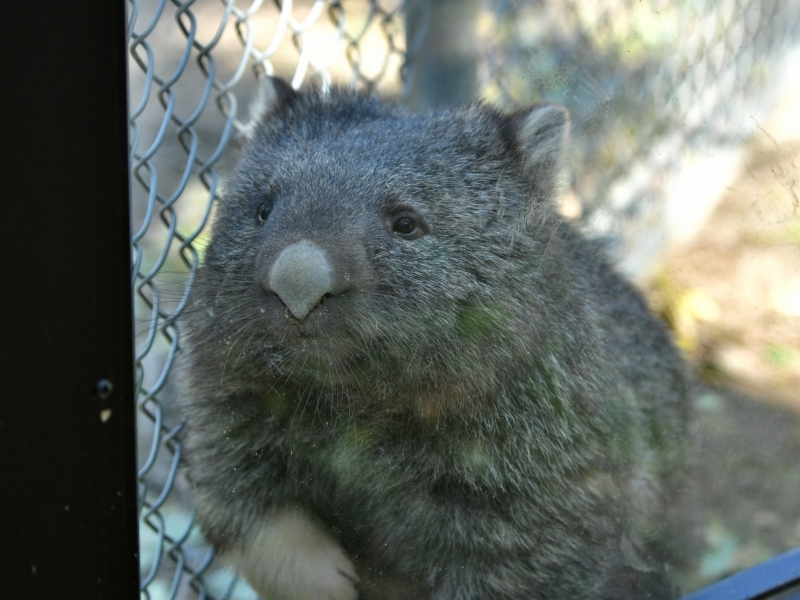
{"points": [[384, 255]]}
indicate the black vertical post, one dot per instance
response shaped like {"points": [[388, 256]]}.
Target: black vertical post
{"points": [[442, 62], [67, 443]]}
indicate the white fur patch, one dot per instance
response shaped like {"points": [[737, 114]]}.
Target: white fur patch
{"points": [[294, 557], [263, 101], [543, 133]]}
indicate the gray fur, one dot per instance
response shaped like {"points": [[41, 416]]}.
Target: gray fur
{"points": [[479, 408]]}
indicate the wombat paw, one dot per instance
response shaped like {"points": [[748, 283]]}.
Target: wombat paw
{"points": [[329, 576], [294, 557]]}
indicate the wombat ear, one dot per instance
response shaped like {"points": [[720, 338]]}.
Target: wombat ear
{"points": [[272, 93], [540, 134]]}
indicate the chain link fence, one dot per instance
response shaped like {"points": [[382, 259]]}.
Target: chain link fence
{"points": [[662, 95], [654, 89]]}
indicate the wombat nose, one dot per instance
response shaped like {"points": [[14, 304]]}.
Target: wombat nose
{"points": [[301, 276]]}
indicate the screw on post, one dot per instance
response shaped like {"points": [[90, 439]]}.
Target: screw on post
{"points": [[103, 389]]}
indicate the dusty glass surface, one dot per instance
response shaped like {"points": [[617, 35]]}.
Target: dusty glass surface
{"points": [[442, 365]]}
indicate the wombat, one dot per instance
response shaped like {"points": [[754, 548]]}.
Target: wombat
{"points": [[406, 376]]}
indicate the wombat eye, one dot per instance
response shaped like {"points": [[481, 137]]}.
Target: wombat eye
{"points": [[405, 226], [263, 212]]}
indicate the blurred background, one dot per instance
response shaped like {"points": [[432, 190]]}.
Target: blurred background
{"points": [[685, 158]]}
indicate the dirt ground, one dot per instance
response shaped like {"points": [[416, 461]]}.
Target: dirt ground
{"points": [[732, 295]]}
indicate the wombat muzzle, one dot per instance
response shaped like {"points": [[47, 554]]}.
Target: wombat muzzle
{"points": [[301, 276]]}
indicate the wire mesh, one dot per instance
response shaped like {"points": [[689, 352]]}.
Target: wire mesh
{"points": [[650, 86], [654, 88], [190, 64]]}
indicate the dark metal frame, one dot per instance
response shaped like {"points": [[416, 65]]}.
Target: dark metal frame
{"points": [[67, 443], [67, 439], [775, 579]]}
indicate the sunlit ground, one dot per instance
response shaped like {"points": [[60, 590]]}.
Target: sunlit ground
{"points": [[732, 294]]}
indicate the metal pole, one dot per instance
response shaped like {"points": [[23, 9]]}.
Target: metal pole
{"points": [[67, 444], [442, 63]]}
